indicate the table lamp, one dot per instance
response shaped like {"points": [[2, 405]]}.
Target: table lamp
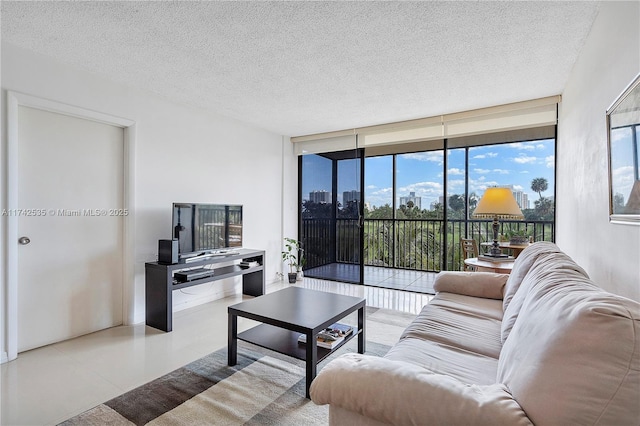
{"points": [[497, 203]]}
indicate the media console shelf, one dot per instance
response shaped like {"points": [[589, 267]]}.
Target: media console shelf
{"points": [[160, 281]]}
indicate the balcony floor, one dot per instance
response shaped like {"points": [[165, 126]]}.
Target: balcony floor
{"points": [[375, 276]]}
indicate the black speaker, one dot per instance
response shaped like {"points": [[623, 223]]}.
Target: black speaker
{"points": [[168, 251]]}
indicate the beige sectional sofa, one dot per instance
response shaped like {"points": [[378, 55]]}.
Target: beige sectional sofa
{"points": [[541, 346]]}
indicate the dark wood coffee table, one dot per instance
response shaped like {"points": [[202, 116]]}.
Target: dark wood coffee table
{"points": [[286, 314]]}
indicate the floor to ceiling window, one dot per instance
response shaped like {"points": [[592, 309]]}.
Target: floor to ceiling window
{"points": [[408, 222], [401, 195], [526, 167]]}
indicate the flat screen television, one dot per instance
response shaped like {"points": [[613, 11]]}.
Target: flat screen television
{"points": [[206, 227]]}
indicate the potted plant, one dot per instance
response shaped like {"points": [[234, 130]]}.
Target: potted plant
{"points": [[519, 237], [290, 256]]}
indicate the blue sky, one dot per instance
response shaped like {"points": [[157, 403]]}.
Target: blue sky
{"points": [[514, 164]]}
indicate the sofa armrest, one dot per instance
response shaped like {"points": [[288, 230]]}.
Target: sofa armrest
{"points": [[400, 393], [478, 284]]}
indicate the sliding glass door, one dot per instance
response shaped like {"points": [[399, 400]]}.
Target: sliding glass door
{"points": [[331, 215]]}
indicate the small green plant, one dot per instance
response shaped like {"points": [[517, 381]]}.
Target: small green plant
{"points": [[291, 253]]}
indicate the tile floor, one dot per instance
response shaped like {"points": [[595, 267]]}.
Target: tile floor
{"points": [[398, 279], [48, 385]]}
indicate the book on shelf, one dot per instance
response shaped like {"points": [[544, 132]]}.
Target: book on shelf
{"points": [[249, 263], [331, 336], [496, 259]]}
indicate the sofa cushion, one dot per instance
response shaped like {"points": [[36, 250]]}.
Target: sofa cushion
{"points": [[467, 305], [464, 322], [479, 284], [465, 366], [540, 256], [398, 393], [393, 392], [455, 335], [521, 266], [573, 355]]}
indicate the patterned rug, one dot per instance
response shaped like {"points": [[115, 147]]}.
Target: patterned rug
{"points": [[264, 388]]}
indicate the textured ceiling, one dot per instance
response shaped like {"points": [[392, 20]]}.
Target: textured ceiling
{"points": [[297, 68]]}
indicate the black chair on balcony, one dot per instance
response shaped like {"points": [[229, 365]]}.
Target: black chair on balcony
{"points": [[469, 249]]}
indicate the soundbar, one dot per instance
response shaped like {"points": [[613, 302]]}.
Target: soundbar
{"points": [[193, 274]]}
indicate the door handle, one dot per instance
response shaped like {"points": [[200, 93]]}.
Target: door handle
{"points": [[24, 240]]}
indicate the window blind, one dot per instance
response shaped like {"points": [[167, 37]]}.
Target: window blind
{"points": [[534, 119]]}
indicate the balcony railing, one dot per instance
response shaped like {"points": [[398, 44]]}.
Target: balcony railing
{"points": [[415, 244]]}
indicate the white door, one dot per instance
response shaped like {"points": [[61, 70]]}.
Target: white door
{"points": [[70, 208]]}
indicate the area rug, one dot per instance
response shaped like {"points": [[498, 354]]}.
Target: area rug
{"points": [[264, 388]]}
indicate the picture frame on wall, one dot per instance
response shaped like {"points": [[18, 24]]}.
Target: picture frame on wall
{"points": [[623, 142]]}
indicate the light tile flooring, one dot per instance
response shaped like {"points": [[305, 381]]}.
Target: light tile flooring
{"points": [[48, 385], [398, 279]]}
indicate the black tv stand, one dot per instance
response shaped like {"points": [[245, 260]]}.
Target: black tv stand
{"points": [[160, 280], [208, 254]]}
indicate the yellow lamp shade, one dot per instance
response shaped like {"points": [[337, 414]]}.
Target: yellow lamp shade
{"points": [[498, 202]]}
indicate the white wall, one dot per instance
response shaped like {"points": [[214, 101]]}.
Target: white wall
{"points": [[181, 154], [608, 62]]}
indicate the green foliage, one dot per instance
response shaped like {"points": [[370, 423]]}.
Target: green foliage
{"points": [[544, 208], [384, 212], [539, 185], [311, 210], [293, 255], [456, 203], [618, 203]]}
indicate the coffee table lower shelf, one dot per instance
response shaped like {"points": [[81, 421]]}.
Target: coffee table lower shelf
{"points": [[285, 341]]}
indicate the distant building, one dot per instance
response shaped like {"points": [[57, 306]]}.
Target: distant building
{"points": [[440, 201], [417, 201], [320, 197], [348, 196], [522, 199]]}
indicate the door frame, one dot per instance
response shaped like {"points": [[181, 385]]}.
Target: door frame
{"points": [[10, 257]]}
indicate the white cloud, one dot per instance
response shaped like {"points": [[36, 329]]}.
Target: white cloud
{"points": [[618, 135], [486, 155], [523, 159], [623, 179], [456, 183], [550, 161], [522, 146], [426, 190], [456, 172], [384, 191], [371, 187], [487, 171], [433, 156]]}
